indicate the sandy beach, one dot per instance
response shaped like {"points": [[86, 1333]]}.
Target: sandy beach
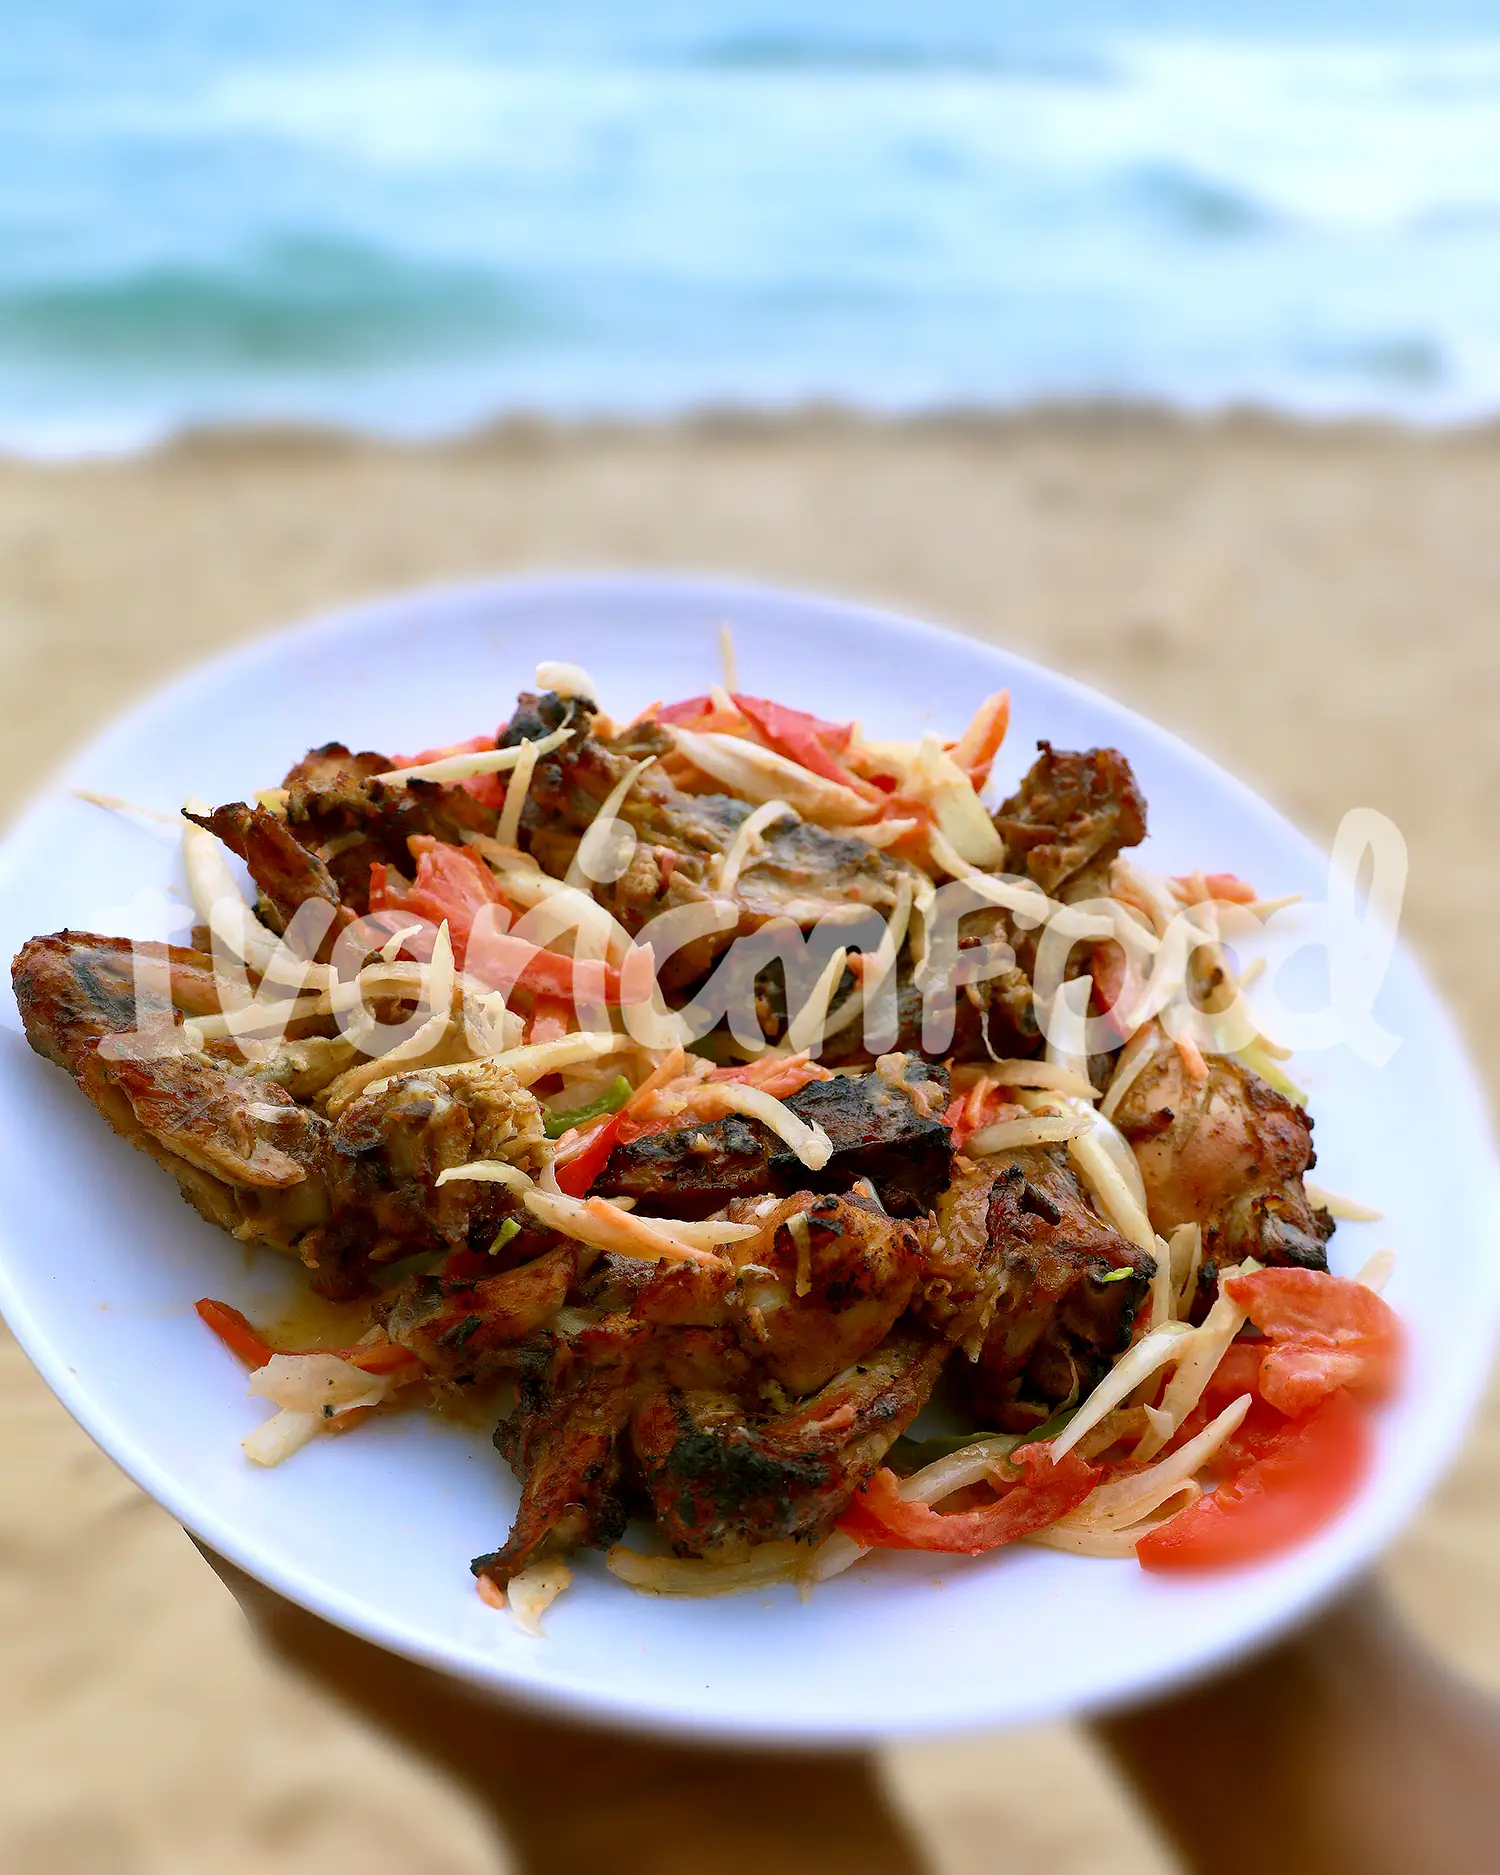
{"points": [[1318, 609]]}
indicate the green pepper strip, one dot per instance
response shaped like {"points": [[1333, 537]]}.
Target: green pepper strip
{"points": [[610, 1101], [510, 1228]]}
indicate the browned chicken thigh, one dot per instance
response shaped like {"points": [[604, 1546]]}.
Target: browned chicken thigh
{"points": [[1224, 1149]]}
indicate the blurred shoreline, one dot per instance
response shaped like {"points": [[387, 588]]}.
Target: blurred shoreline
{"points": [[1082, 419]]}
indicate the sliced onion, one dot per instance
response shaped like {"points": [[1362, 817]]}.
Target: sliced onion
{"points": [[937, 780], [282, 1434], [1036, 1129], [1377, 1272], [1149, 1354], [810, 1143], [566, 681], [1125, 1500], [533, 1591], [759, 774], [488, 1172], [1200, 1354], [451, 768], [683, 1575], [1349, 1209], [306, 1383]]}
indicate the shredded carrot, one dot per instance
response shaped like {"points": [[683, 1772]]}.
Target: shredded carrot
{"points": [[1192, 1058], [1226, 887]]}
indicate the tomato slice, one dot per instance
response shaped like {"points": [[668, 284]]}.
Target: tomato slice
{"points": [[879, 1517], [688, 711], [800, 737], [1325, 1332], [579, 1173], [450, 885], [1304, 1473], [488, 790], [1238, 1372], [1116, 986]]}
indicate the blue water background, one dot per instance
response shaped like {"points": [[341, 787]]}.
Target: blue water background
{"points": [[411, 218]]}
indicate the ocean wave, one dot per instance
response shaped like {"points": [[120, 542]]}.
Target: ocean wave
{"points": [[304, 301], [1196, 204], [915, 54]]}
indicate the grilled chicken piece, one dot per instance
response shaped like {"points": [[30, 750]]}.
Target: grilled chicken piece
{"points": [[1229, 1152], [824, 1283], [286, 874], [564, 1442], [339, 820], [340, 811], [74, 988], [1060, 1310], [702, 1365], [991, 1020], [800, 872], [963, 1272], [721, 1481], [1071, 815], [468, 1332], [886, 1127], [340, 1194], [624, 1411]]}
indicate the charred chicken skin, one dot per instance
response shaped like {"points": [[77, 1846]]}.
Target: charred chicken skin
{"points": [[743, 1404], [345, 1194], [1223, 1148]]}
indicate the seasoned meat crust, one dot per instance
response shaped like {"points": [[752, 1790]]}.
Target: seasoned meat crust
{"points": [[1230, 1151], [337, 808], [877, 1128], [740, 1403], [339, 820], [800, 872], [1070, 816], [719, 1481], [285, 872], [342, 1194], [674, 1420], [1060, 1312]]}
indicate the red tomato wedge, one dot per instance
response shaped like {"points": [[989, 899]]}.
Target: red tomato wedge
{"points": [[549, 1018], [488, 790], [1117, 987], [1303, 1474], [574, 1178], [879, 1517], [800, 737], [1325, 1333], [1238, 1372], [452, 886]]}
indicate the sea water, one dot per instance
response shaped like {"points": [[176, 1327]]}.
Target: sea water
{"points": [[412, 218]]}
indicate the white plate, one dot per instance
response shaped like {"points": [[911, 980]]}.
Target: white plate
{"points": [[100, 1260]]}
